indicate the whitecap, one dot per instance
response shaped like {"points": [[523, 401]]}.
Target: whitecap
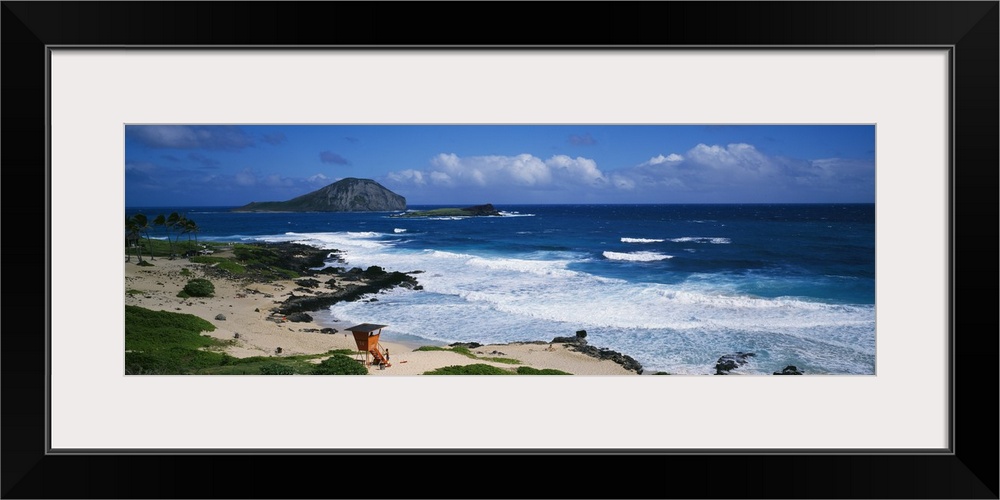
{"points": [[637, 256]]}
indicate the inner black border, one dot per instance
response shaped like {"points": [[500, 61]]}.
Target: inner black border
{"points": [[970, 28]]}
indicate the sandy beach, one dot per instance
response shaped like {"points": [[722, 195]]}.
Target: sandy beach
{"points": [[247, 309]]}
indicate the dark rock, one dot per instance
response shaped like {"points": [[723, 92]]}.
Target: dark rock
{"points": [[349, 293], [628, 362], [299, 317], [220, 317], [328, 330], [789, 370], [569, 340], [581, 334], [307, 283], [730, 362], [470, 345], [374, 272]]}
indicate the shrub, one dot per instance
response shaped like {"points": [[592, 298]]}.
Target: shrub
{"points": [[276, 369], [476, 369], [199, 287], [527, 370], [339, 364]]}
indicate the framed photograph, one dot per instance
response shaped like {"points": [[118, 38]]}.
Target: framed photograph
{"points": [[881, 108]]}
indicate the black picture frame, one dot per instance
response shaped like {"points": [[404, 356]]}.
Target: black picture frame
{"points": [[969, 28]]}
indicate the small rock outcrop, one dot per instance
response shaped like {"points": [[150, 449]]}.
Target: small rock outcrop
{"points": [[299, 317], [730, 362], [481, 210], [789, 370]]}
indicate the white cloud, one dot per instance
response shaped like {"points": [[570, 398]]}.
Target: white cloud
{"points": [[246, 178], [523, 170], [414, 177], [705, 173], [741, 172], [576, 170], [441, 179], [671, 158], [275, 180]]}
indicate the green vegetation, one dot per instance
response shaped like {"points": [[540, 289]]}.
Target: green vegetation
{"points": [[173, 226], [276, 369], [527, 370], [133, 291], [506, 361], [438, 212], [197, 287], [474, 211], [268, 263], [168, 343], [469, 354], [484, 369], [160, 342], [476, 369], [220, 263], [340, 364]]}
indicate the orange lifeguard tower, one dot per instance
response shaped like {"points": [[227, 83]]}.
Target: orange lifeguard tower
{"points": [[367, 340]]}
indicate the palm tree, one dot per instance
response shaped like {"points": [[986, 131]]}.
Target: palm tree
{"points": [[161, 221], [175, 224], [142, 225], [131, 238], [191, 226]]}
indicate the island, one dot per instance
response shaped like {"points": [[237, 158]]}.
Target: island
{"points": [[473, 211], [346, 195]]}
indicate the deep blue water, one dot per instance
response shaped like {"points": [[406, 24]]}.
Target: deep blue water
{"points": [[674, 286]]}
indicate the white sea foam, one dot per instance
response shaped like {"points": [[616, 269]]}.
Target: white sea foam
{"points": [[636, 256], [700, 239], [681, 328], [640, 240], [398, 230]]}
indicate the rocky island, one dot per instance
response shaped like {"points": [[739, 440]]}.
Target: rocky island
{"points": [[473, 211], [346, 195]]}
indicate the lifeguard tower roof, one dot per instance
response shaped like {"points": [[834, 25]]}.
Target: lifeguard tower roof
{"points": [[366, 327]]}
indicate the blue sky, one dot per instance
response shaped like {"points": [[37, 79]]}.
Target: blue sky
{"points": [[227, 165]]}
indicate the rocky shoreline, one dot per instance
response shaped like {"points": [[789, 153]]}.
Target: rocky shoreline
{"points": [[322, 283]]}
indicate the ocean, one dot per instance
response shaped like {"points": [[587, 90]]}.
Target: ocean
{"points": [[673, 286]]}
